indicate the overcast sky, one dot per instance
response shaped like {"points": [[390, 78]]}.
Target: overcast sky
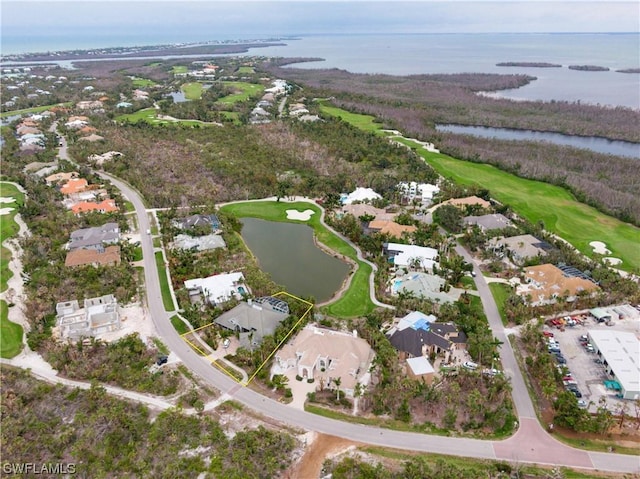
{"points": [[260, 18]]}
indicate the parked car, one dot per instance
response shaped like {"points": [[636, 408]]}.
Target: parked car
{"points": [[582, 403], [597, 360], [162, 359], [553, 349], [590, 348], [561, 360], [470, 365], [548, 334], [578, 394]]}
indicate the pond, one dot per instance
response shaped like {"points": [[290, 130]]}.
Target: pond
{"points": [[288, 253], [178, 96], [599, 145]]}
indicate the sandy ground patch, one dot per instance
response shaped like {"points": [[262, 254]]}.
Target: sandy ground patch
{"points": [[599, 247], [318, 448], [6, 211], [134, 319], [613, 261], [299, 215], [7, 199]]}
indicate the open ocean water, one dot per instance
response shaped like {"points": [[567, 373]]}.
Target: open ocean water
{"points": [[407, 54]]}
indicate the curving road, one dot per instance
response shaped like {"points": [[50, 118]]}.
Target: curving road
{"points": [[531, 444]]}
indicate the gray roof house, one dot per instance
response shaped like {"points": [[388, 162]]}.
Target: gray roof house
{"points": [[195, 221], [494, 221], [521, 247], [94, 238], [254, 319]]}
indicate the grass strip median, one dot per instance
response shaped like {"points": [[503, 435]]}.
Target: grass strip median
{"points": [[167, 300]]}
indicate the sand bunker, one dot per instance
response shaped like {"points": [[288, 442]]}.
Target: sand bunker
{"points": [[6, 211], [299, 215], [599, 247], [613, 261], [7, 199]]}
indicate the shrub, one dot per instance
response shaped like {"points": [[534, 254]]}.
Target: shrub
{"points": [[288, 393], [298, 377], [310, 380]]}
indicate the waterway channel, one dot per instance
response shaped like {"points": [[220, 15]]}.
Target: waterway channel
{"points": [[287, 252], [599, 145]]}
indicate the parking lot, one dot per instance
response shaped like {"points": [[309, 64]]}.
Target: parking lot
{"points": [[588, 374]]}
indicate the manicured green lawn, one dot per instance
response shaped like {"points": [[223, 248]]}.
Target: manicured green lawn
{"points": [[10, 334], [179, 325], [179, 69], [535, 201], [356, 300], [146, 114], [560, 212], [245, 69], [35, 109], [500, 292], [167, 300], [8, 228], [150, 115], [143, 82], [363, 122], [192, 91], [246, 91]]}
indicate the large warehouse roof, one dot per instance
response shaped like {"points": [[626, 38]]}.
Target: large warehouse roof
{"points": [[622, 352]]}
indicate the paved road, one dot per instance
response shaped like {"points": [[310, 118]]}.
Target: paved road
{"points": [[529, 444]]}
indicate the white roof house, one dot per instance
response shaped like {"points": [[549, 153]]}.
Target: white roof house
{"points": [[422, 191], [219, 288], [360, 194], [620, 352], [404, 255]]}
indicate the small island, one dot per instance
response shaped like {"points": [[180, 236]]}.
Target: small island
{"points": [[629, 70], [588, 68], [529, 64]]}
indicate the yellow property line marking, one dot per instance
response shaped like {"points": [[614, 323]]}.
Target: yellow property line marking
{"points": [[217, 364]]}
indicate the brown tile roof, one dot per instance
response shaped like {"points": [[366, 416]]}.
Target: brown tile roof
{"points": [[391, 228], [87, 129], [469, 200], [82, 257], [74, 185], [551, 282], [106, 206], [59, 177]]}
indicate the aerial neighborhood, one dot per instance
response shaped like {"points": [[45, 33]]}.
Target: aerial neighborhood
{"points": [[194, 227]]}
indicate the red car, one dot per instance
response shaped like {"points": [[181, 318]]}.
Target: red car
{"points": [[548, 334]]}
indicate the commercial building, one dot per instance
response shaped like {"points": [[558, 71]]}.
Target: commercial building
{"points": [[620, 354]]}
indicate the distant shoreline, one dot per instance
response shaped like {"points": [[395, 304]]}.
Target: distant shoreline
{"points": [[529, 64], [151, 51]]}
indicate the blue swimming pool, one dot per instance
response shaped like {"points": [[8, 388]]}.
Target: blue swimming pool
{"points": [[241, 290]]}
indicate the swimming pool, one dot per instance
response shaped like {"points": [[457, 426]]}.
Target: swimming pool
{"points": [[241, 290]]}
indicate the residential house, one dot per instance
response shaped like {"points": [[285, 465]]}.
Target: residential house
{"points": [[218, 288], [99, 315], [520, 248], [199, 243], [324, 354], [91, 138], [418, 335], [74, 185], [108, 156], [410, 256], [421, 192], [94, 238], [62, 177], [467, 201], [364, 209], [89, 105], [425, 285], [546, 283], [76, 124], [254, 319], [105, 206], [359, 195], [390, 228], [494, 221], [198, 221], [83, 257]]}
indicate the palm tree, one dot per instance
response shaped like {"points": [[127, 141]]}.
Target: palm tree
{"points": [[337, 382]]}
